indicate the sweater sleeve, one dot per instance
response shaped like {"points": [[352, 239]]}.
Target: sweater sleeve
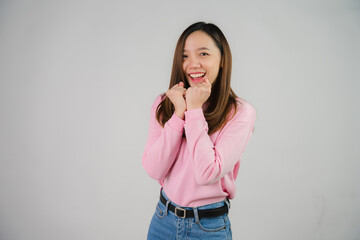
{"points": [[163, 144], [211, 162]]}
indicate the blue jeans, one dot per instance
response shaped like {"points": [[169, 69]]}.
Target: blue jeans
{"points": [[165, 225]]}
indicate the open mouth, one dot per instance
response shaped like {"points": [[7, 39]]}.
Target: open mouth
{"points": [[197, 77]]}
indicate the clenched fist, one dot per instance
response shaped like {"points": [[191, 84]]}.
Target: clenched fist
{"points": [[197, 95], [176, 96]]}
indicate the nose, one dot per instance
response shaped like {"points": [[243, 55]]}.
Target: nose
{"points": [[194, 62]]}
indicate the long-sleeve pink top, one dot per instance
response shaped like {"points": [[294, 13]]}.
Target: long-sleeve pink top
{"points": [[199, 169]]}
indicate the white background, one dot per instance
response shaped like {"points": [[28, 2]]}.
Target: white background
{"points": [[77, 79]]}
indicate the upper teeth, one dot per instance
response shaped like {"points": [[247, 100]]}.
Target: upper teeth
{"points": [[197, 75]]}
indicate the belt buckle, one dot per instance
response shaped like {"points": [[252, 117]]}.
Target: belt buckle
{"points": [[180, 209]]}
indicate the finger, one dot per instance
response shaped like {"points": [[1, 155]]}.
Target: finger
{"points": [[206, 81], [202, 83], [179, 84], [182, 86]]}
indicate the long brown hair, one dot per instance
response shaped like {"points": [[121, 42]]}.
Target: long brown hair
{"points": [[222, 97]]}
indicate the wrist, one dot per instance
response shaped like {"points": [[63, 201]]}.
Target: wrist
{"points": [[180, 115], [193, 107]]}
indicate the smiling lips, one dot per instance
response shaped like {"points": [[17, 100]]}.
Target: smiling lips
{"points": [[197, 77]]}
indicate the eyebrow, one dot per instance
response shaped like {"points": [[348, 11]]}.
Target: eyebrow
{"points": [[202, 48]]}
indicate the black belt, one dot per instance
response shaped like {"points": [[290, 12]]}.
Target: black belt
{"points": [[205, 213]]}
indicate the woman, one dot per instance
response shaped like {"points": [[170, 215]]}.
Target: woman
{"points": [[198, 131]]}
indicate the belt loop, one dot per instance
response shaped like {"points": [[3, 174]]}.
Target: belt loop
{"points": [[196, 215], [167, 202], [227, 201], [167, 207]]}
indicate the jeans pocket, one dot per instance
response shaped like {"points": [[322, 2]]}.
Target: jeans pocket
{"points": [[160, 210], [213, 224]]}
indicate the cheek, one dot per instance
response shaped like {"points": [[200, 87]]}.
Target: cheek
{"points": [[184, 66], [215, 68]]}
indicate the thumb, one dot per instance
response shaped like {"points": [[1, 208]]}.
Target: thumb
{"points": [[181, 84], [206, 81]]}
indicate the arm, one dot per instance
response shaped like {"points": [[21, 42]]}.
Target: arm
{"points": [[162, 145], [212, 162]]}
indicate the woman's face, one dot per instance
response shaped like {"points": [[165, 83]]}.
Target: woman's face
{"points": [[201, 58]]}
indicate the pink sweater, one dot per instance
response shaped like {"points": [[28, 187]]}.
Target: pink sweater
{"points": [[199, 169]]}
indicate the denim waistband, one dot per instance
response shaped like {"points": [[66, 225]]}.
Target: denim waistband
{"points": [[207, 206]]}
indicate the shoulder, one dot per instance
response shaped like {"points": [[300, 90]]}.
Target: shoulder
{"points": [[243, 104], [245, 111], [158, 100]]}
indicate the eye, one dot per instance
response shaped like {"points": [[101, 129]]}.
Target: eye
{"points": [[204, 54], [184, 56]]}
